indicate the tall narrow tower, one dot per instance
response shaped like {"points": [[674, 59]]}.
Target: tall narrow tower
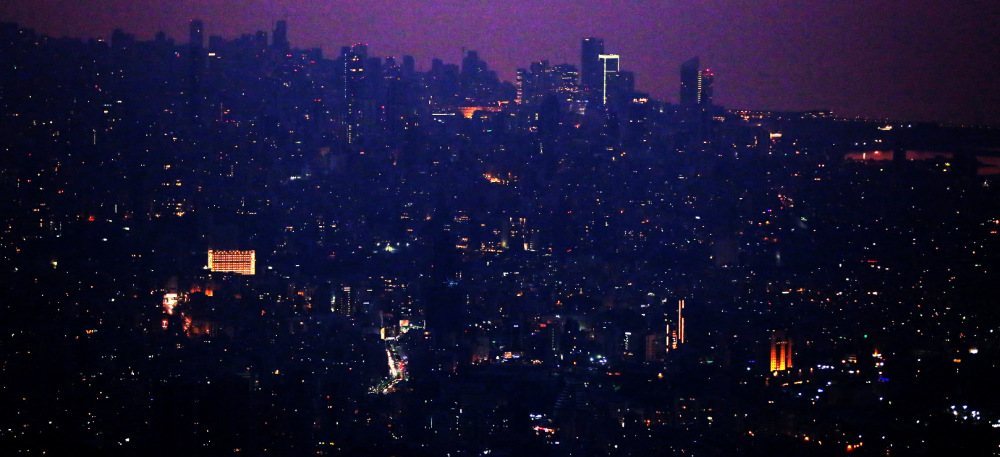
{"points": [[609, 69], [355, 89], [696, 84], [680, 321], [690, 82], [591, 70], [280, 38], [705, 82], [196, 34]]}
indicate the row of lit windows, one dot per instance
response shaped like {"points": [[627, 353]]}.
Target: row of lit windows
{"points": [[239, 262]]}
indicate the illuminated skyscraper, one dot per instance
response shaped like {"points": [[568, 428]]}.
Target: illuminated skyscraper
{"points": [[675, 334], [565, 80], [355, 85], [696, 85], [781, 351], [610, 64], [535, 83], [343, 301], [705, 92], [680, 321], [196, 64]]}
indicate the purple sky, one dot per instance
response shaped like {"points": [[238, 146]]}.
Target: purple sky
{"points": [[900, 59]]}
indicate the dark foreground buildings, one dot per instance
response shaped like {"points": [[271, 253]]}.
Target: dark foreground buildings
{"points": [[232, 246]]}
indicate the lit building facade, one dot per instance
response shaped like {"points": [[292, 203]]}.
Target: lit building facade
{"points": [[239, 262], [696, 84], [706, 80], [342, 302], [781, 351], [610, 64], [355, 84], [675, 335], [680, 320]]}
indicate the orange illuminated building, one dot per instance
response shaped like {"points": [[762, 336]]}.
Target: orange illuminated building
{"points": [[468, 111], [781, 351], [239, 262], [170, 301], [680, 321]]}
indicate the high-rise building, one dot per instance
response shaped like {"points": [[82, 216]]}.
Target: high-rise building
{"points": [[610, 65], [355, 88], [781, 351], [196, 33], [522, 83], [565, 80], [544, 78], [696, 84], [690, 82], [541, 80], [674, 336], [196, 65], [342, 301], [471, 77], [409, 66], [655, 347], [280, 38], [705, 93], [121, 40], [471, 65], [260, 40], [591, 70], [478, 82], [536, 82], [680, 321]]}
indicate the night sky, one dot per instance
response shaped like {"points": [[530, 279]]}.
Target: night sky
{"points": [[900, 59]]}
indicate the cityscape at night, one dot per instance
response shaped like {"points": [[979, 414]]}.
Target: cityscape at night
{"points": [[237, 244]]}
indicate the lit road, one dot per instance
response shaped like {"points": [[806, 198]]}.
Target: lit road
{"points": [[397, 369]]}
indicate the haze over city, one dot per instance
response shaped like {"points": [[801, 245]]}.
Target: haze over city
{"points": [[925, 60]]}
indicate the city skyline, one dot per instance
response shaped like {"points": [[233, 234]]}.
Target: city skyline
{"points": [[766, 57]]}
